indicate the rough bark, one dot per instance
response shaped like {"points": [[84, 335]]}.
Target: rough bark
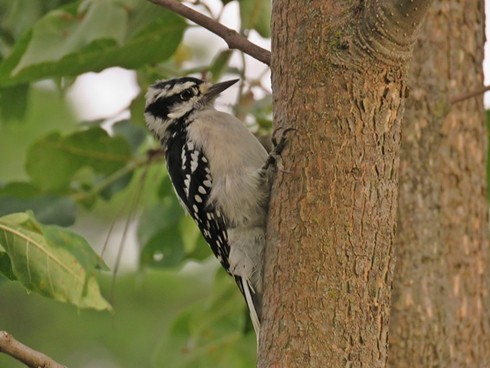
{"points": [[441, 305], [338, 77]]}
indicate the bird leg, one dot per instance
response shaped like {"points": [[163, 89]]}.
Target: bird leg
{"points": [[275, 159]]}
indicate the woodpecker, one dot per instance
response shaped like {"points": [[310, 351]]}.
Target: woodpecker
{"points": [[220, 173]]}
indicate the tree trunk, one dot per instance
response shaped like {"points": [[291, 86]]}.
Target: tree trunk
{"points": [[441, 305], [338, 77]]}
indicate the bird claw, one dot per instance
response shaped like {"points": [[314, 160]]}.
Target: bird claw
{"points": [[278, 146]]}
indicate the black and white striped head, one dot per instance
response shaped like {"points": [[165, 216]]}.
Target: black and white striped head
{"points": [[173, 101]]}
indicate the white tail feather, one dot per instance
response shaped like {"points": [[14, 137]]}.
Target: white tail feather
{"points": [[247, 290]]}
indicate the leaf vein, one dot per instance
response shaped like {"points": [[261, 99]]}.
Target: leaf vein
{"points": [[40, 247]]}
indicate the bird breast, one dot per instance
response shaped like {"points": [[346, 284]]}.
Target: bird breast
{"points": [[235, 158]]}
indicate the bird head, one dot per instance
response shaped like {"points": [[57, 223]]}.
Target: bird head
{"points": [[172, 101]]}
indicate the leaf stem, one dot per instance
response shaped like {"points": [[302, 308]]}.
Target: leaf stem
{"points": [[80, 196]]}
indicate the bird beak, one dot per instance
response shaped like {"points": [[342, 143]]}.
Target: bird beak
{"points": [[217, 88]]}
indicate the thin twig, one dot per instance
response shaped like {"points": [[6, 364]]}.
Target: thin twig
{"points": [[25, 354], [471, 94], [230, 36], [124, 236]]}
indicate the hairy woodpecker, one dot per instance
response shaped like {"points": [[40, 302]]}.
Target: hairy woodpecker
{"points": [[220, 173]]}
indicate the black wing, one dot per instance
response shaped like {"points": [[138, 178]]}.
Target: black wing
{"points": [[189, 172]]}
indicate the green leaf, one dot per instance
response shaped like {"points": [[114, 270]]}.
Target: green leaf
{"points": [[48, 209], [165, 189], [53, 161], [77, 246], [159, 233], [50, 261], [164, 249], [19, 15], [219, 64], [137, 106], [91, 37], [168, 237], [116, 186], [256, 14], [195, 245], [134, 134], [164, 214], [19, 189], [210, 333], [6, 267], [13, 102], [65, 31]]}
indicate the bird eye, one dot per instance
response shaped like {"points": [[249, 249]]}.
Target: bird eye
{"points": [[186, 95]]}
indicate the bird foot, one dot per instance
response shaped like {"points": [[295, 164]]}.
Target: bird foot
{"points": [[278, 146]]}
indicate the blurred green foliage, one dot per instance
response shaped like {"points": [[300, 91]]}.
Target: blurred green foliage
{"points": [[177, 309], [160, 319]]}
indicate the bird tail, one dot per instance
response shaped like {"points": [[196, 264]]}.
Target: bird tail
{"points": [[254, 303]]}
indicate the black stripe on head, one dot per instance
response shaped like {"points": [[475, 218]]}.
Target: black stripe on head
{"points": [[169, 84], [161, 106]]}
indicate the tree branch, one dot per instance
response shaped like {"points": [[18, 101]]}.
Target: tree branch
{"points": [[467, 95], [230, 36], [410, 13], [389, 27], [25, 354]]}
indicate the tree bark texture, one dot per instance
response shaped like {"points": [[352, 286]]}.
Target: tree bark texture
{"points": [[338, 77], [441, 305]]}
